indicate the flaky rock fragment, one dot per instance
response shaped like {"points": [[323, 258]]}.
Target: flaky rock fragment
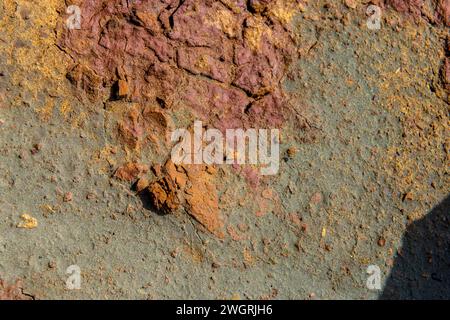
{"points": [[164, 195], [139, 125], [122, 89], [28, 222], [131, 171], [142, 184], [191, 187], [202, 200], [85, 79]]}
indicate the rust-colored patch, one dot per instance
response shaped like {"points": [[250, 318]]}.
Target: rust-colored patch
{"points": [[131, 171], [138, 125], [12, 292], [436, 11], [190, 186]]}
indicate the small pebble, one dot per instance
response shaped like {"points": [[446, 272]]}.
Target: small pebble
{"points": [[36, 148], [68, 197], [291, 152], [91, 196], [28, 222]]}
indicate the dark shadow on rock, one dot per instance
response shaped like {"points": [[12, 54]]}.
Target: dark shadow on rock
{"points": [[422, 268], [147, 201]]}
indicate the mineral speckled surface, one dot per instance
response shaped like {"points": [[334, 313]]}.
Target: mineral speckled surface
{"points": [[87, 180]]}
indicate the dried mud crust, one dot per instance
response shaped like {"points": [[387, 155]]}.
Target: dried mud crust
{"points": [[222, 59]]}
